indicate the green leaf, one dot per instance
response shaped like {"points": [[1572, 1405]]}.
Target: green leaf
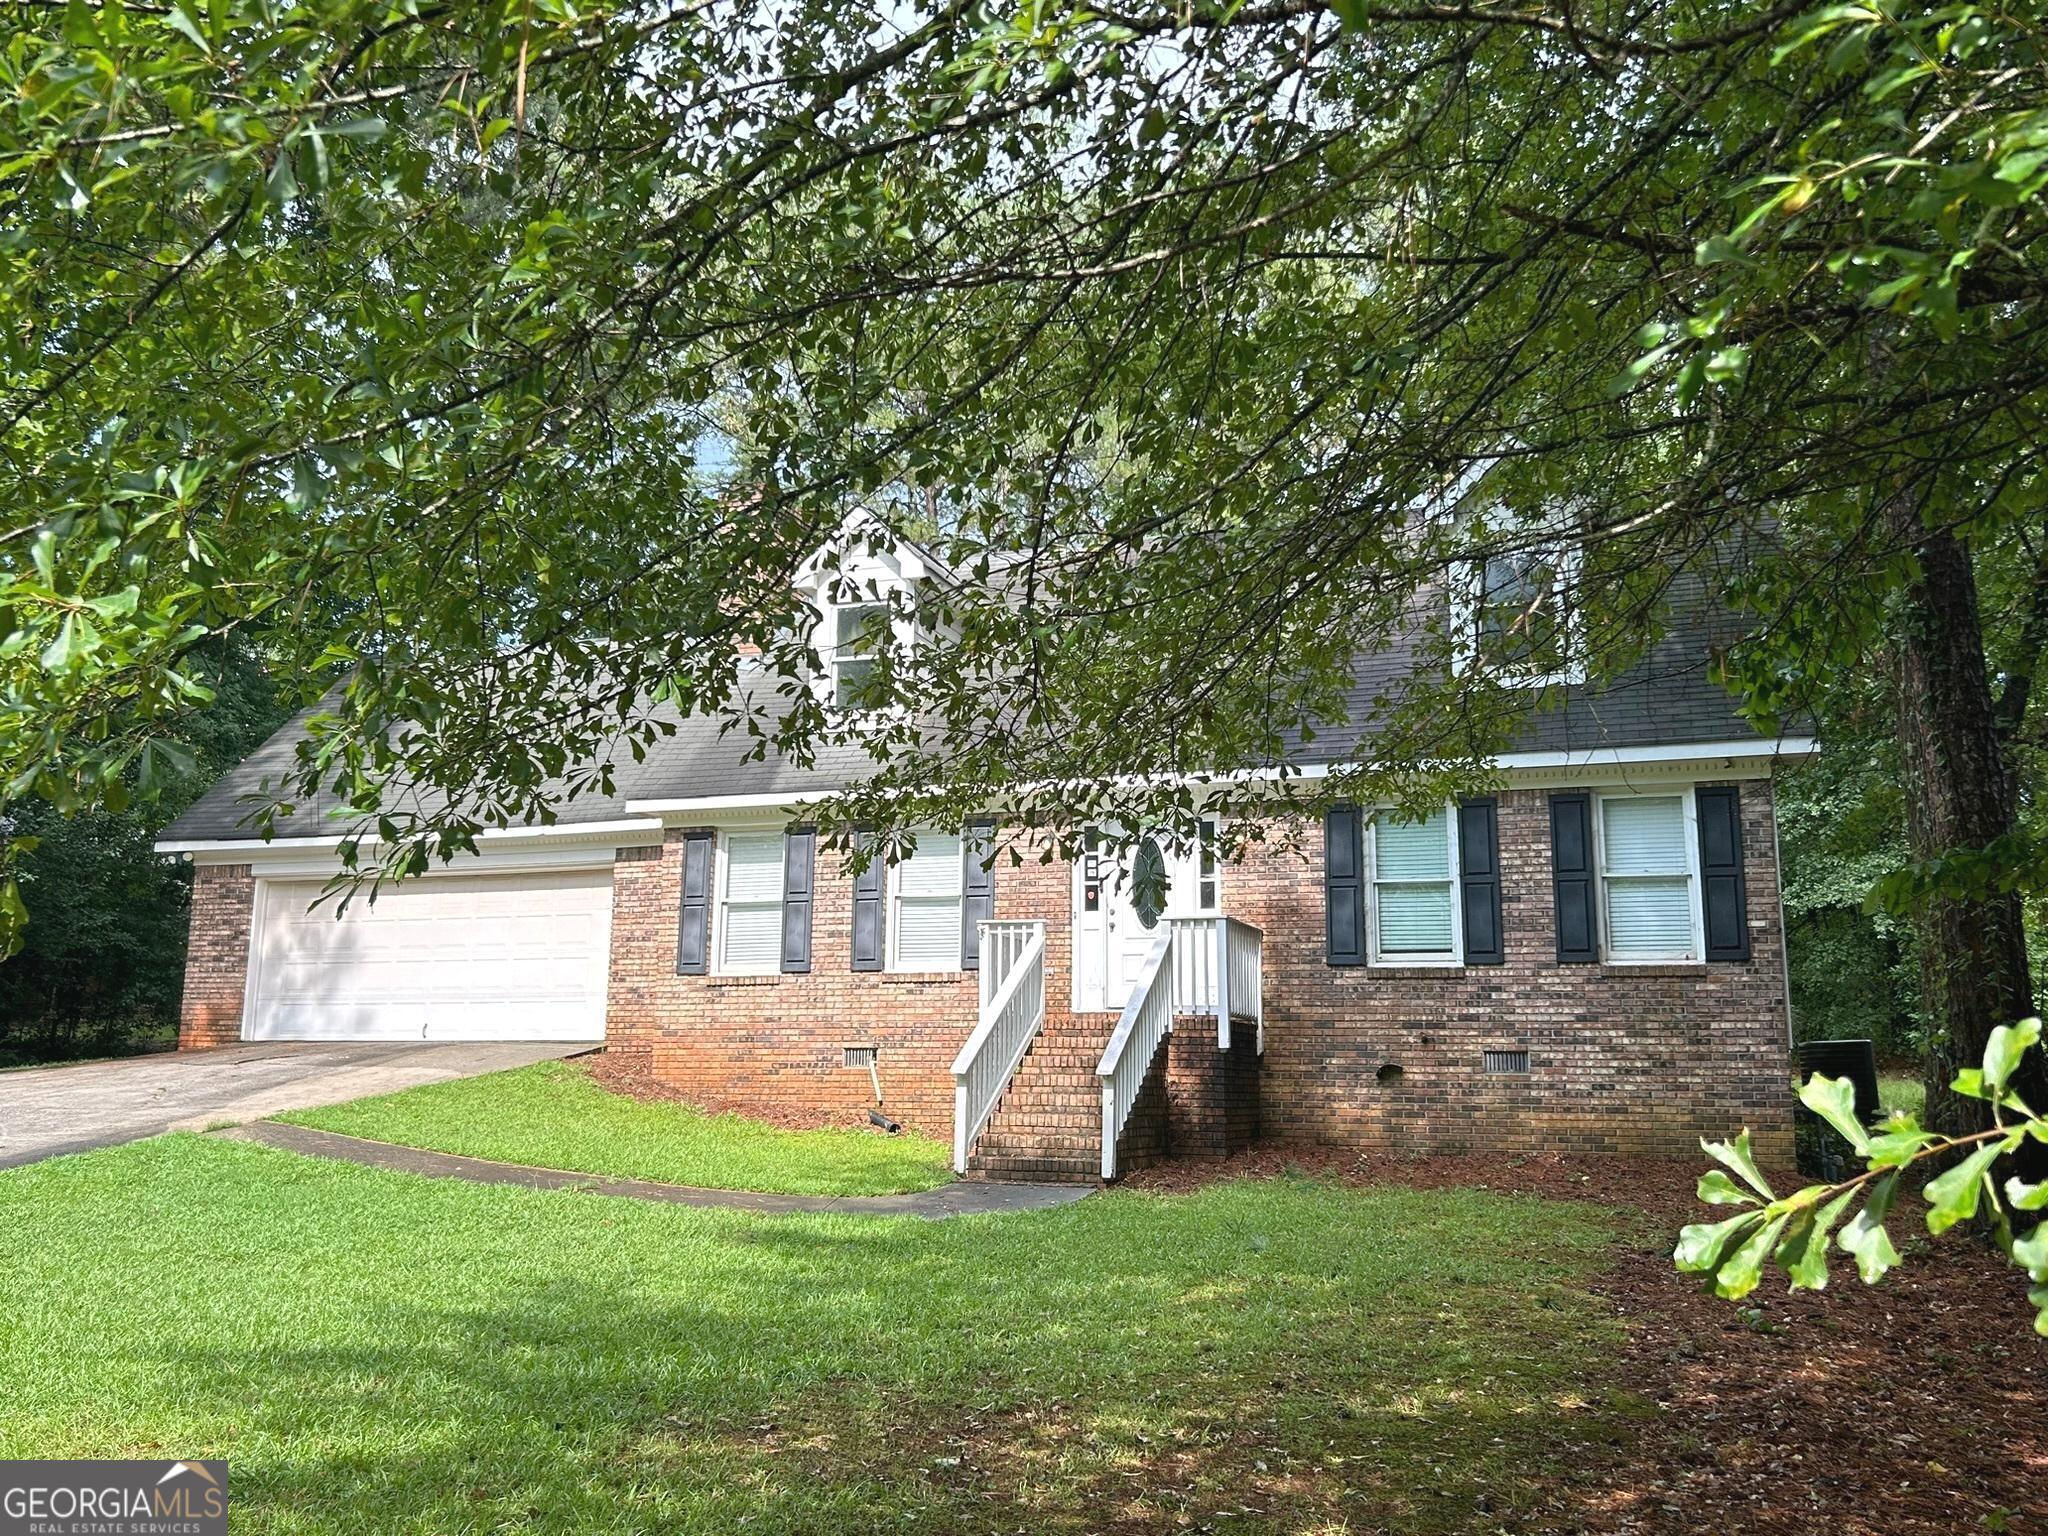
{"points": [[2002, 1052], [1701, 1245], [76, 640], [1834, 1100], [2031, 1254], [13, 918], [1716, 1188], [1893, 1149], [1804, 1252], [1952, 1196], [1970, 1084], [1738, 1276], [1735, 1156], [1865, 1238], [2027, 1197]]}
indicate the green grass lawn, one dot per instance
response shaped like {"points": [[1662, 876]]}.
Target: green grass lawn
{"points": [[373, 1351], [1907, 1093], [554, 1116]]}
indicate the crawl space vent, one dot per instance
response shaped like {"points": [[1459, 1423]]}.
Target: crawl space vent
{"points": [[862, 1056], [1502, 1063]]}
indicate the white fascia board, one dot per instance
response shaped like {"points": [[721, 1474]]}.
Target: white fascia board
{"points": [[1745, 758], [1748, 758], [626, 833], [1754, 750], [673, 811]]}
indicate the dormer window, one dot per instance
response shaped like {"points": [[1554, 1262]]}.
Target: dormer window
{"points": [[1515, 620], [858, 630]]}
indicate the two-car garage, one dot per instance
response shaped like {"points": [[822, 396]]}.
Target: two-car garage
{"points": [[513, 956]]}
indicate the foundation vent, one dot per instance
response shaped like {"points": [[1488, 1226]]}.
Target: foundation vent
{"points": [[1504, 1063], [860, 1057]]}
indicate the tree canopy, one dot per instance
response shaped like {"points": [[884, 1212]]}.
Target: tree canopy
{"points": [[504, 357]]}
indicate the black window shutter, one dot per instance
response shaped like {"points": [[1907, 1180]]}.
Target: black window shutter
{"points": [[1344, 884], [1479, 879], [867, 909], [1723, 895], [1571, 873], [978, 889], [799, 854], [693, 926]]}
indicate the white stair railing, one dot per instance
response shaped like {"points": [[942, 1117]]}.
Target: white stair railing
{"points": [[1219, 968], [1012, 1009], [1141, 1030]]}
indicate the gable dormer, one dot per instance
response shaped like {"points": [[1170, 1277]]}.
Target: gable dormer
{"points": [[867, 589]]}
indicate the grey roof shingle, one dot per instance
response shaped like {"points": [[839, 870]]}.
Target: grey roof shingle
{"points": [[1667, 699]]}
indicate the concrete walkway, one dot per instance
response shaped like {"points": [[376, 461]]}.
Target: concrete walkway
{"points": [[53, 1110], [961, 1198]]}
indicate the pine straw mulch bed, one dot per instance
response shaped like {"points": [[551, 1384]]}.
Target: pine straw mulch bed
{"points": [[1916, 1406]]}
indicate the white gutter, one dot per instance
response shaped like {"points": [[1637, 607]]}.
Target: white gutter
{"points": [[712, 803], [647, 817], [638, 829], [1755, 753]]}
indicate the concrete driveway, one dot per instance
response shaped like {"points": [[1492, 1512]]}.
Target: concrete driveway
{"points": [[52, 1110]]}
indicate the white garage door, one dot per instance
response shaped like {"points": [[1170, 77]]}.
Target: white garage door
{"points": [[447, 957]]}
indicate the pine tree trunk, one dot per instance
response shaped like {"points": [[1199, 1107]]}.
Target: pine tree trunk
{"points": [[1960, 793]]}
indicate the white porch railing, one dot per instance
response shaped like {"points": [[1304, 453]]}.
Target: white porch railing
{"points": [[1012, 1009], [1146, 1021], [1002, 945], [1219, 968]]}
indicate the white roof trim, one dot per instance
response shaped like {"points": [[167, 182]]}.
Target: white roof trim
{"points": [[647, 817], [701, 805], [1754, 755], [638, 829]]}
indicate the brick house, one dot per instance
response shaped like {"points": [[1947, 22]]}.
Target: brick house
{"points": [[1591, 959]]}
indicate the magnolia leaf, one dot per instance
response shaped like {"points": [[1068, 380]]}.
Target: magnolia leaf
{"points": [[1735, 1155], [2002, 1052], [1716, 1188], [1865, 1238], [1952, 1196], [1834, 1100]]}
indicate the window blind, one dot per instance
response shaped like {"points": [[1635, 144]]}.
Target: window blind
{"points": [[1412, 884], [1647, 877], [928, 891], [751, 922]]}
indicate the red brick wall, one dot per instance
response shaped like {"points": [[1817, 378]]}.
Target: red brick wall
{"points": [[216, 956], [776, 1042], [1621, 1058], [1212, 1095]]}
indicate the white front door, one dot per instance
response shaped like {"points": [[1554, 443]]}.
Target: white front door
{"points": [[443, 957], [1119, 913]]}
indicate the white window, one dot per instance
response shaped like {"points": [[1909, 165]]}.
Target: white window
{"points": [[858, 631], [924, 930], [749, 924], [1648, 878], [1414, 910], [1516, 621]]}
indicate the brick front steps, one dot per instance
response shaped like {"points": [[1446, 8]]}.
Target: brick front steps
{"points": [[1047, 1126]]}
